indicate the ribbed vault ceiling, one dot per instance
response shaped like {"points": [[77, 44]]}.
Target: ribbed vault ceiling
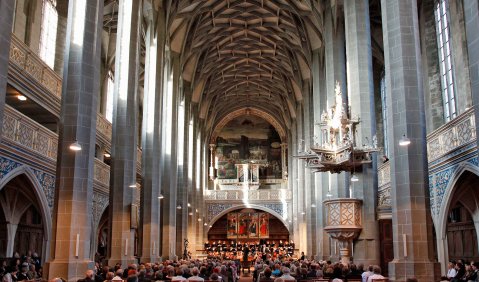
{"points": [[245, 53]]}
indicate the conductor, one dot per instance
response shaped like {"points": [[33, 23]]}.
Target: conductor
{"points": [[245, 258]]}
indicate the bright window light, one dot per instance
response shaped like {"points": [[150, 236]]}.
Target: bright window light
{"points": [[48, 34]]}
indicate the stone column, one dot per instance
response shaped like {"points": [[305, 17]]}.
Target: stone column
{"points": [[151, 142], [361, 98], [169, 159], [335, 63], [62, 10], [11, 232], [471, 16], [6, 23], [72, 213], [411, 215], [284, 156], [212, 161], [124, 135], [320, 179]]}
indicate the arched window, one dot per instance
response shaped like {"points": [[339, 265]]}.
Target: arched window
{"points": [[445, 59], [48, 35]]}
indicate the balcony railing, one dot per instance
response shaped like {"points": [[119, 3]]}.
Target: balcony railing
{"points": [[29, 134], [452, 135], [30, 63], [101, 173], [250, 195]]}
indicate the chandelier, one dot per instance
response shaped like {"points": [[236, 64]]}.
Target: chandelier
{"points": [[336, 149]]}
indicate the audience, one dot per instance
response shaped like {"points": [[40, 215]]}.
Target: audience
{"points": [[215, 269]]}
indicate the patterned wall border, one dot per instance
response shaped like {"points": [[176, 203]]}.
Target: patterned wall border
{"points": [[439, 181], [214, 209], [100, 203], [46, 180]]}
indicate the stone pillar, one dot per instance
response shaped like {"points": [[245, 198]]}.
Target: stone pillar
{"points": [[335, 63], [169, 159], [11, 232], [361, 98], [471, 16], [6, 22], [318, 102], [62, 10], [182, 178], [72, 212], [124, 136], [151, 142], [411, 215], [284, 160], [212, 161]]}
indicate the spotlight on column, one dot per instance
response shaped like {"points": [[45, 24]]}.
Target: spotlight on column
{"points": [[132, 185], [106, 155], [329, 195], [189, 205], [75, 146], [303, 213], [313, 205], [178, 207], [206, 224], [404, 141], [160, 196], [199, 219], [190, 213], [354, 178]]}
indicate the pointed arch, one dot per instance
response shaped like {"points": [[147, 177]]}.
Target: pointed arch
{"points": [[42, 202], [248, 111], [441, 219], [246, 206]]}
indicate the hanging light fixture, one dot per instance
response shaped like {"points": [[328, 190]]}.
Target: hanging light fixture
{"points": [[21, 98], [75, 146], [329, 195], [313, 205], [178, 207], [160, 196], [354, 178], [133, 185], [404, 141]]}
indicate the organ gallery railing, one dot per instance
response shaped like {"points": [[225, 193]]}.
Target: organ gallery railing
{"points": [[251, 195]]}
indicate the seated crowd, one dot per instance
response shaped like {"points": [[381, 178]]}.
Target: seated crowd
{"points": [[459, 271], [229, 271]]}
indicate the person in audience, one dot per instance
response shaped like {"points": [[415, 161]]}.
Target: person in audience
{"points": [[23, 273], [368, 273], [461, 271], [195, 272], [475, 272], [411, 280], [10, 274], [451, 271], [179, 275], [467, 275], [287, 275], [266, 275], [376, 274], [214, 277], [109, 276]]}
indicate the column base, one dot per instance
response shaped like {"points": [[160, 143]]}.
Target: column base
{"points": [[68, 270], [424, 271]]}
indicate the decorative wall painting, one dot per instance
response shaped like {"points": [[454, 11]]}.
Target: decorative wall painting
{"points": [[247, 225]]}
